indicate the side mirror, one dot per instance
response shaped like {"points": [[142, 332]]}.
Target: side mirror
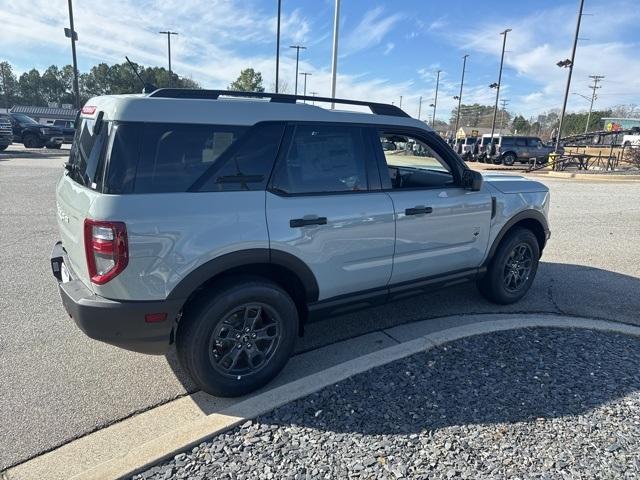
{"points": [[472, 180]]}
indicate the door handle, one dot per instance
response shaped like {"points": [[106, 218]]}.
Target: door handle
{"points": [[303, 222], [418, 210]]}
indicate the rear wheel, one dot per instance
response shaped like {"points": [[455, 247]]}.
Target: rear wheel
{"points": [[239, 338], [31, 141], [513, 267], [55, 146]]}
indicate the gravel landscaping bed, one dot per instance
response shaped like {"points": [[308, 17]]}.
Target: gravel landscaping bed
{"points": [[530, 403]]}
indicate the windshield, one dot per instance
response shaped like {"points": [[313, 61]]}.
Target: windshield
{"points": [[21, 118]]}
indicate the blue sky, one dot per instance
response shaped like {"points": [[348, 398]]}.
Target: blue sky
{"points": [[387, 48]]}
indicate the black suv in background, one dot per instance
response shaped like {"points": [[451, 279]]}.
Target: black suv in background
{"points": [[6, 134], [33, 134], [515, 148]]}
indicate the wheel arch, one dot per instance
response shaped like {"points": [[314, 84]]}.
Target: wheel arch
{"points": [[532, 220], [284, 269]]}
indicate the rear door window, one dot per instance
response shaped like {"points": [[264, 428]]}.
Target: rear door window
{"points": [[521, 142], [174, 156]]}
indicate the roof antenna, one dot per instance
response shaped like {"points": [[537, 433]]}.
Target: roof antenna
{"points": [[146, 86]]}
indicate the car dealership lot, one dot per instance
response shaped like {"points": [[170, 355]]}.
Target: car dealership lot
{"points": [[58, 384]]}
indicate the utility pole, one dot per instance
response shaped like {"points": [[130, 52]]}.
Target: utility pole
{"points": [[334, 56], [71, 33], [305, 83], [435, 101], [596, 79], [298, 48], [495, 109], [168, 33], [278, 46], [570, 65], [464, 66], [400, 101], [420, 107], [313, 94], [504, 106]]}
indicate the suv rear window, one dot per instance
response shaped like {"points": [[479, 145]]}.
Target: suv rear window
{"points": [[86, 159]]}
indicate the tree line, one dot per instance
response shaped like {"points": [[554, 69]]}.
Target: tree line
{"points": [[55, 84]]}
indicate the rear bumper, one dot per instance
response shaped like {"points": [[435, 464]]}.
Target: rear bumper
{"points": [[119, 323]]}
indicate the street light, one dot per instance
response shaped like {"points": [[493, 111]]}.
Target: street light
{"points": [[168, 33], [497, 87], [435, 100], [298, 48], [278, 45], [73, 35], [334, 55]]}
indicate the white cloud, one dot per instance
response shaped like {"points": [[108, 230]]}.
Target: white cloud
{"points": [[388, 47], [371, 30]]}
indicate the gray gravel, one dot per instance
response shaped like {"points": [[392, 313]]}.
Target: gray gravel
{"points": [[531, 403]]}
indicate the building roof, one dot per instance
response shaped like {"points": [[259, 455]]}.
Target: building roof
{"points": [[483, 130], [49, 112]]}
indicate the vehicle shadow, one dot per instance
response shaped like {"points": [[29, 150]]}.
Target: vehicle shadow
{"points": [[574, 290], [32, 153]]}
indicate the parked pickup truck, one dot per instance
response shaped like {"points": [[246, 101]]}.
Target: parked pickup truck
{"points": [[6, 134], [33, 134]]}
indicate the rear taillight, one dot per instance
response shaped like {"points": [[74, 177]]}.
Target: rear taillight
{"points": [[107, 249]]}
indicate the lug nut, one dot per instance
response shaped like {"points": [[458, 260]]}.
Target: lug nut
{"points": [[254, 335], [239, 346]]}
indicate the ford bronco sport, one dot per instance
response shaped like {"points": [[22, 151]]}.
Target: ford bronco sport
{"points": [[220, 222]]}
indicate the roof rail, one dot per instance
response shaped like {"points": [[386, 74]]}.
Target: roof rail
{"points": [[376, 108]]}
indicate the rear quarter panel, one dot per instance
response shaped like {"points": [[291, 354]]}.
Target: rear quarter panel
{"points": [[171, 234]]}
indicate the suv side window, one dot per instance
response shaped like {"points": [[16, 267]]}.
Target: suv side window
{"points": [[415, 164], [535, 142], [521, 142], [323, 159], [174, 156], [507, 142]]}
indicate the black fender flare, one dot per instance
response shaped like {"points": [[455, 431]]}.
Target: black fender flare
{"points": [[244, 258], [530, 214]]}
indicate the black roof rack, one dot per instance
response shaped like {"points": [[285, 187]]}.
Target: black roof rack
{"points": [[376, 108]]}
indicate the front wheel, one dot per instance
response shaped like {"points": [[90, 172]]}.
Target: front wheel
{"points": [[239, 338], [32, 141], [513, 267], [509, 159]]}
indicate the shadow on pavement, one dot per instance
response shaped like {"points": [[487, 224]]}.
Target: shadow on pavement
{"points": [[559, 289], [32, 153]]}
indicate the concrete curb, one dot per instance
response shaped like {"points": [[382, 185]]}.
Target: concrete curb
{"points": [[587, 176], [57, 463]]}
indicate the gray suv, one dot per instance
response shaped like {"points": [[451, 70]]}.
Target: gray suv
{"points": [[513, 148], [221, 222]]}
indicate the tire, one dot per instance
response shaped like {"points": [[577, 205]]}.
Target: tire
{"points": [[222, 368], [31, 141], [626, 144], [509, 159], [499, 285], [54, 146]]}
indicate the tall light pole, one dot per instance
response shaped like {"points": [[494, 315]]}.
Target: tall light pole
{"points": [[4, 86], [168, 33], [298, 48], [435, 101], [313, 94], [596, 79], [497, 87], [420, 107], [334, 55], [306, 74], [464, 66], [71, 33], [278, 45], [570, 63], [400, 101]]}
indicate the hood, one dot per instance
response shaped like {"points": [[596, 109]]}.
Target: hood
{"points": [[514, 183]]}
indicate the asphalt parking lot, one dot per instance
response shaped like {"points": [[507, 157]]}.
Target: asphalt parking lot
{"points": [[57, 384]]}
